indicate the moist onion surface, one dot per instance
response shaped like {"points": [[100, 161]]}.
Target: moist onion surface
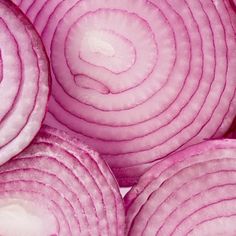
{"points": [[58, 186], [138, 80], [24, 75], [193, 192]]}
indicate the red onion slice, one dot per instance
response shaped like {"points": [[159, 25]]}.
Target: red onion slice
{"points": [[193, 192], [138, 80], [60, 182], [24, 75]]}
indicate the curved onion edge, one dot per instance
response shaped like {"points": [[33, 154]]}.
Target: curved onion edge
{"points": [[67, 186], [190, 192], [24, 136]]}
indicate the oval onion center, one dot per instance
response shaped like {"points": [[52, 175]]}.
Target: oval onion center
{"points": [[25, 219]]}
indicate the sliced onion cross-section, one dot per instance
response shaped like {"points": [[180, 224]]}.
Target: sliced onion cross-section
{"points": [[138, 79], [59, 187], [193, 192], [24, 77]]}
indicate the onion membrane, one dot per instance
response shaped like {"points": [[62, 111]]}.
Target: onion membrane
{"points": [[24, 75], [58, 186], [193, 192], [136, 79]]}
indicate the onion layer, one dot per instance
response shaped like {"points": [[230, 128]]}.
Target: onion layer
{"points": [[60, 187], [138, 80], [24, 75], [193, 192]]}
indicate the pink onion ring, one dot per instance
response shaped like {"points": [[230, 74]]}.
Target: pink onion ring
{"points": [[193, 192], [67, 188], [138, 80], [24, 76]]}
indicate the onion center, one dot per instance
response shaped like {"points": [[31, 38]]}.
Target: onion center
{"points": [[25, 219], [103, 45], [95, 43]]}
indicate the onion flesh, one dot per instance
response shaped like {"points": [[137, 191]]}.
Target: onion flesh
{"points": [[190, 193], [24, 78], [58, 186], [138, 80]]}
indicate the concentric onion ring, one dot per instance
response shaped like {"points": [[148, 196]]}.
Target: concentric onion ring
{"points": [[193, 192], [138, 80], [24, 75], [63, 183]]}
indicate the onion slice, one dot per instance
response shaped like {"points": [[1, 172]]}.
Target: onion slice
{"points": [[58, 186], [138, 80], [193, 192], [24, 78]]}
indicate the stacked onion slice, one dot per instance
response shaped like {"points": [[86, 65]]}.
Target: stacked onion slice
{"points": [[24, 75], [193, 192], [58, 186], [138, 80]]}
